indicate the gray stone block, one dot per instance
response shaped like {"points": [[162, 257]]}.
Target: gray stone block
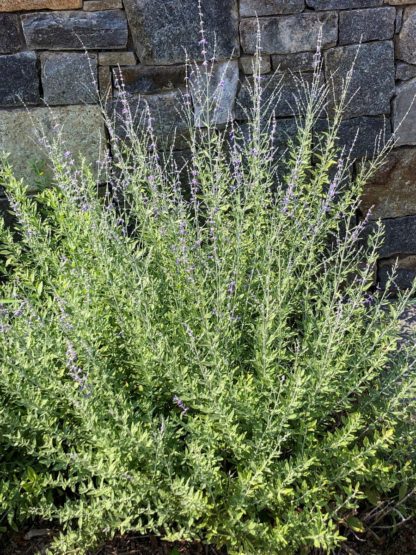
{"points": [[404, 109], [254, 8], [19, 83], [248, 64], [116, 58], [75, 30], [166, 111], [218, 91], [391, 192], [163, 30], [69, 78], [342, 4], [366, 25], [406, 40], [11, 38], [82, 131], [372, 85], [400, 236], [150, 80], [405, 273], [404, 71], [364, 136], [360, 137], [302, 61], [285, 90], [289, 34]]}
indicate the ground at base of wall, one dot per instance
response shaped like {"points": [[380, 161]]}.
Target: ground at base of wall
{"points": [[403, 542]]}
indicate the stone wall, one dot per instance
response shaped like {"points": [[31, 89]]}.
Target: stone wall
{"points": [[46, 78]]}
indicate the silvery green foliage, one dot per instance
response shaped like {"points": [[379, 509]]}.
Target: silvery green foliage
{"points": [[212, 366]]}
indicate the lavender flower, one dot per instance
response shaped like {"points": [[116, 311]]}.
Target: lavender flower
{"points": [[179, 403], [231, 288], [75, 372]]}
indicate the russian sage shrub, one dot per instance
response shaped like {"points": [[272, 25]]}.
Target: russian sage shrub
{"points": [[208, 363]]}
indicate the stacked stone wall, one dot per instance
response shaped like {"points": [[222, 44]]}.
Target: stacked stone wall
{"points": [[47, 81]]}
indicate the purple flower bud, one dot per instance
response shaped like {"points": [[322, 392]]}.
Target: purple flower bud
{"points": [[179, 403]]}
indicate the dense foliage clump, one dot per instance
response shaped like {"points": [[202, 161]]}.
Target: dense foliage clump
{"points": [[207, 362]]}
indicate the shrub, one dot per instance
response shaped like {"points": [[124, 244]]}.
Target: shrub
{"points": [[210, 365]]}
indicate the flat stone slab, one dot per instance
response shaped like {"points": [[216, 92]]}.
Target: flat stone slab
{"points": [[150, 80], [400, 236], [301, 61], [249, 67], [254, 8], [289, 34], [373, 80], [69, 78], [391, 193], [360, 135], [163, 30], [222, 90], [75, 30], [366, 25], [284, 87], [83, 135], [116, 58], [404, 110], [405, 275], [406, 41], [11, 37], [21, 86], [404, 71], [165, 111], [26, 5], [97, 5], [342, 4]]}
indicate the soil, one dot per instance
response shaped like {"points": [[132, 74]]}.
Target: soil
{"points": [[23, 543]]}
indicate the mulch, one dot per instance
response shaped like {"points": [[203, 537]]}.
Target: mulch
{"points": [[27, 542]]}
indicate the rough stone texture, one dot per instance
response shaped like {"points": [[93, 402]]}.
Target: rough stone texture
{"points": [[248, 64], [342, 4], [360, 136], [404, 71], [222, 91], [163, 29], [75, 30], [400, 236], [405, 275], [166, 114], [105, 82], [399, 2], [150, 80], [82, 134], [372, 82], [69, 78], [25, 5], [21, 87], [97, 5], [253, 8], [286, 129], [116, 58], [399, 20], [11, 38], [406, 41], [391, 193], [404, 110], [286, 89], [288, 34], [366, 25], [302, 61]]}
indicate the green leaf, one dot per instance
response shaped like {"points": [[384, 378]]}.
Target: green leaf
{"points": [[355, 524]]}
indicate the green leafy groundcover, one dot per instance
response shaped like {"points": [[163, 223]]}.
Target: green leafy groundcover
{"points": [[213, 366]]}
